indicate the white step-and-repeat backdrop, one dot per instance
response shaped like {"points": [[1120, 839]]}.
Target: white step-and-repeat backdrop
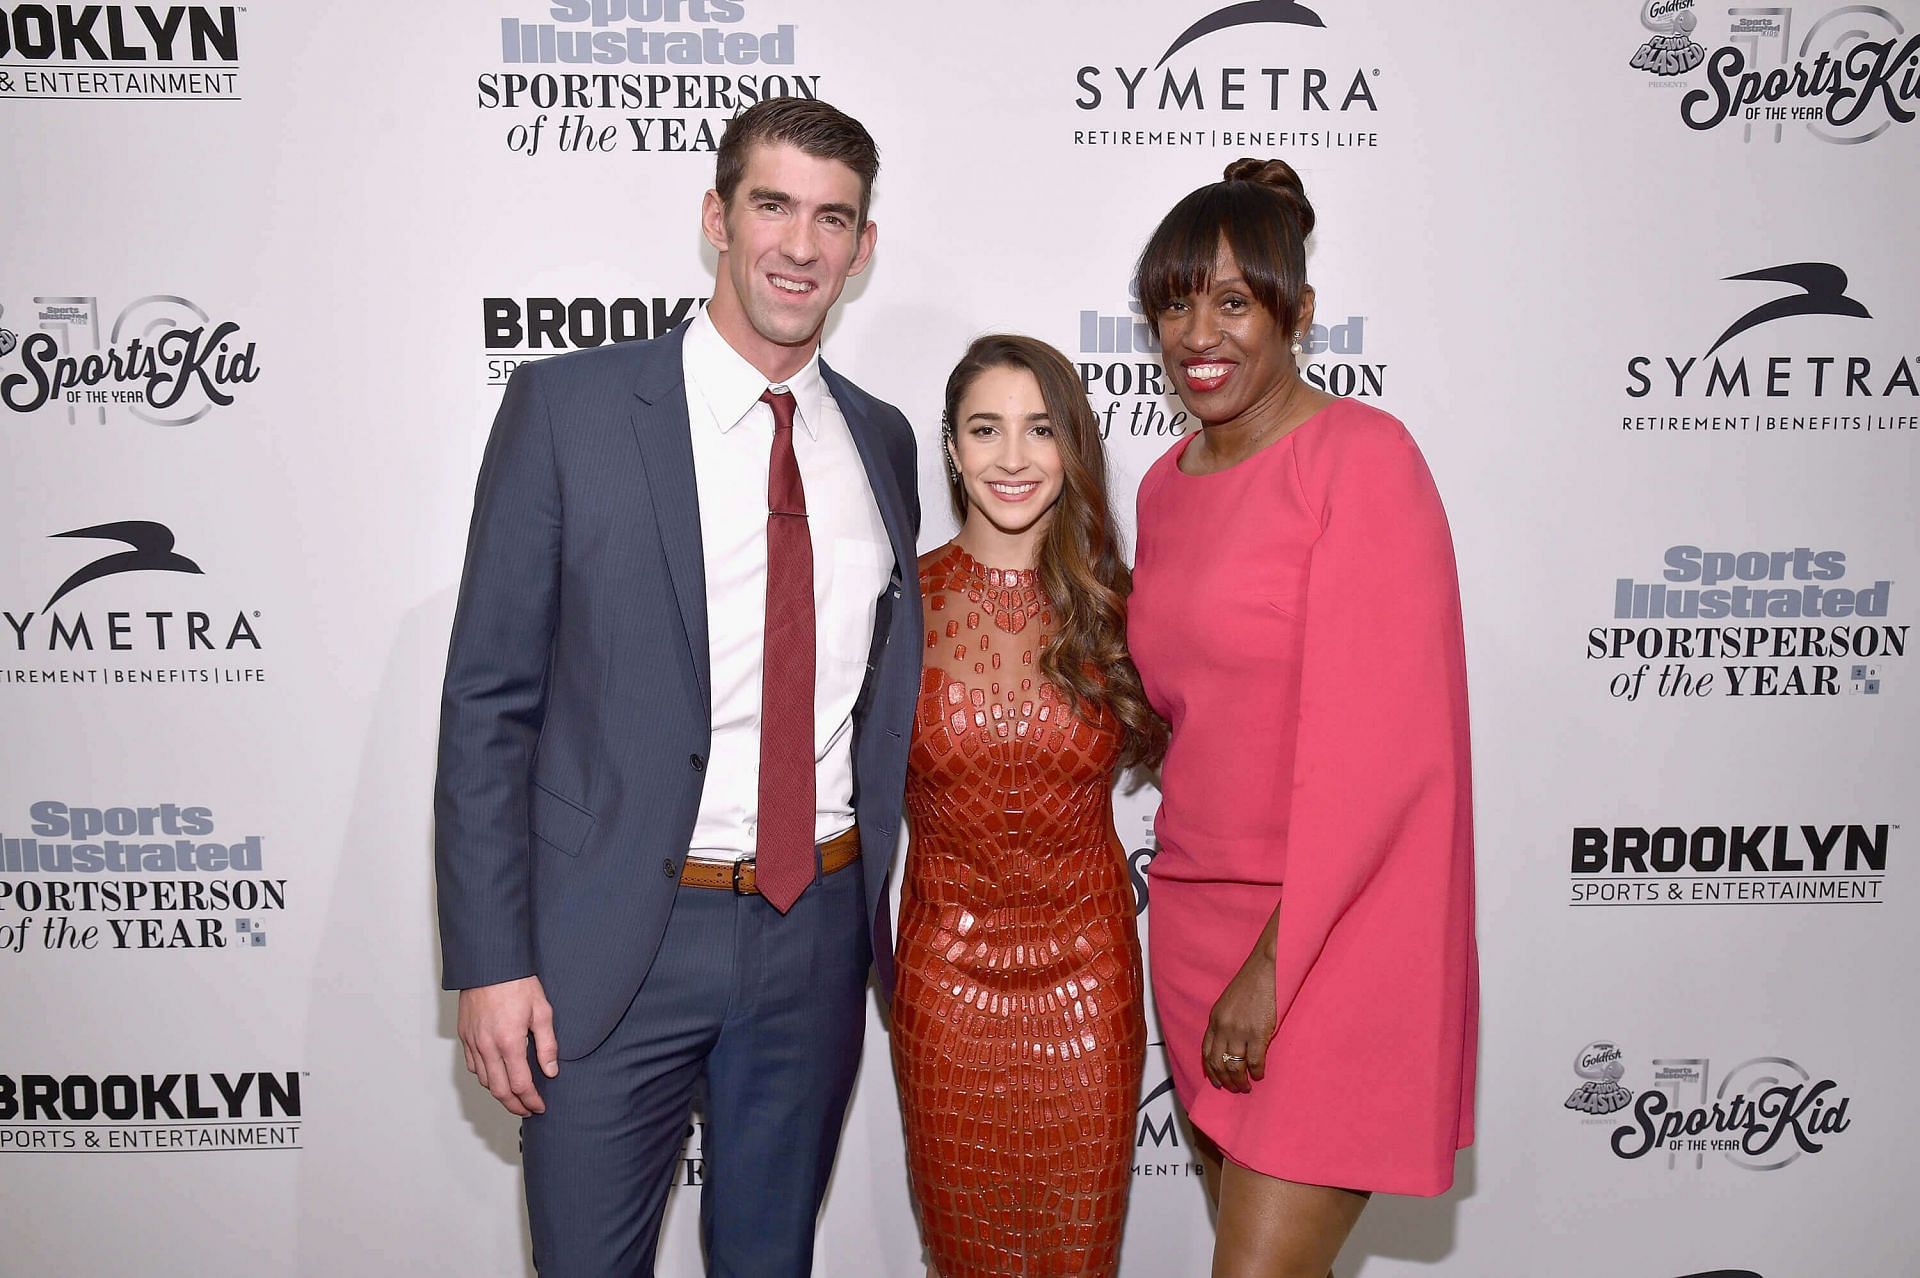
{"points": [[1640, 277]]}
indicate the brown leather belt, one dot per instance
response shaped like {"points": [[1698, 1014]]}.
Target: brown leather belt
{"points": [[737, 877]]}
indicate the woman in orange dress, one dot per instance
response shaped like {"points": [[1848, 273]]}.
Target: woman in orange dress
{"points": [[1018, 1033]]}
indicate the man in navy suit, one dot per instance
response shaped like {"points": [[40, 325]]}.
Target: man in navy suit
{"points": [[673, 738]]}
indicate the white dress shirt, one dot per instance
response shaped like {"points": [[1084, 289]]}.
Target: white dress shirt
{"points": [[852, 563]]}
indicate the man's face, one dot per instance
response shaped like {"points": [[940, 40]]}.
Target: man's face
{"points": [[788, 242]]}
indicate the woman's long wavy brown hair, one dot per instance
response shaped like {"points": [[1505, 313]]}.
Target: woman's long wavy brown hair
{"points": [[1080, 567]]}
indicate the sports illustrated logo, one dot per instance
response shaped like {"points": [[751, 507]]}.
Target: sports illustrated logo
{"points": [[1134, 396], [1843, 73], [1752, 623], [80, 878], [1602, 1066], [107, 616], [1671, 50], [689, 87], [133, 53], [1815, 347], [1728, 865], [1189, 97], [1766, 1113], [1158, 1149], [520, 330], [163, 359], [150, 1113]]}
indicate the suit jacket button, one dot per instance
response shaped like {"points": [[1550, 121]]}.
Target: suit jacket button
{"points": [[699, 764], [666, 868]]}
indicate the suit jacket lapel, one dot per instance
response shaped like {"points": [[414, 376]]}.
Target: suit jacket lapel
{"points": [[661, 427], [880, 475]]}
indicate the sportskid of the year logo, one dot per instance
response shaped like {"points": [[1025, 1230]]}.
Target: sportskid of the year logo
{"points": [[163, 359], [1845, 73], [1764, 1114]]}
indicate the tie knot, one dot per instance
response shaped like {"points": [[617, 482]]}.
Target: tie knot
{"points": [[781, 402]]}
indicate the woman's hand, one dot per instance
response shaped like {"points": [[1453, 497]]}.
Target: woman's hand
{"points": [[1234, 1048]]}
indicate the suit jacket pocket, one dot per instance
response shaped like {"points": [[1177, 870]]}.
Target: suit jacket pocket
{"points": [[560, 823]]}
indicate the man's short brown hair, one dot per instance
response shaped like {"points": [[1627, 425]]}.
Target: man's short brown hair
{"points": [[822, 131]]}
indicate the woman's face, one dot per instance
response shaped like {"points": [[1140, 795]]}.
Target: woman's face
{"points": [[1005, 450], [1226, 353]]}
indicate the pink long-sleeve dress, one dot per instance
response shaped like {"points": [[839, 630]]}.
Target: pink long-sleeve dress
{"points": [[1296, 619]]}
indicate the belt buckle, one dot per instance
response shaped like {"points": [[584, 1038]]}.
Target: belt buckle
{"points": [[737, 889]]}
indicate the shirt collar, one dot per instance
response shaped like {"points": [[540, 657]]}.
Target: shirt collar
{"points": [[732, 386]]}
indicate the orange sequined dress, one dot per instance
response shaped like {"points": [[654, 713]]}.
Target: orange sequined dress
{"points": [[1018, 1034]]}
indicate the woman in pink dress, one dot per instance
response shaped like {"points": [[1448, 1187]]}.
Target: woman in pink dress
{"points": [[1296, 619]]}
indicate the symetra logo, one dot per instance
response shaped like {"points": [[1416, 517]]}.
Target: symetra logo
{"points": [[1158, 1150], [1284, 12], [1823, 291], [152, 552], [1188, 97], [149, 601], [139, 52], [1805, 354]]}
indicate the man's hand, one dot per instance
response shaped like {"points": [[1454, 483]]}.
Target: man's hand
{"points": [[494, 1023]]}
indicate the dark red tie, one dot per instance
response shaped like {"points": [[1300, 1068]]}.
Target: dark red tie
{"points": [[784, 852]]}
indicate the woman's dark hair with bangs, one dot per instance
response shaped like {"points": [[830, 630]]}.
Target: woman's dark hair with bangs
{"points": [[1260, 210]]}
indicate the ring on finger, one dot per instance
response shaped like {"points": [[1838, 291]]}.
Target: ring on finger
{"points": [[1232, 1058]]}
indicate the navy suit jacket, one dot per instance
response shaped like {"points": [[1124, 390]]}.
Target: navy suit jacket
{"points": [[575, 723]]}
